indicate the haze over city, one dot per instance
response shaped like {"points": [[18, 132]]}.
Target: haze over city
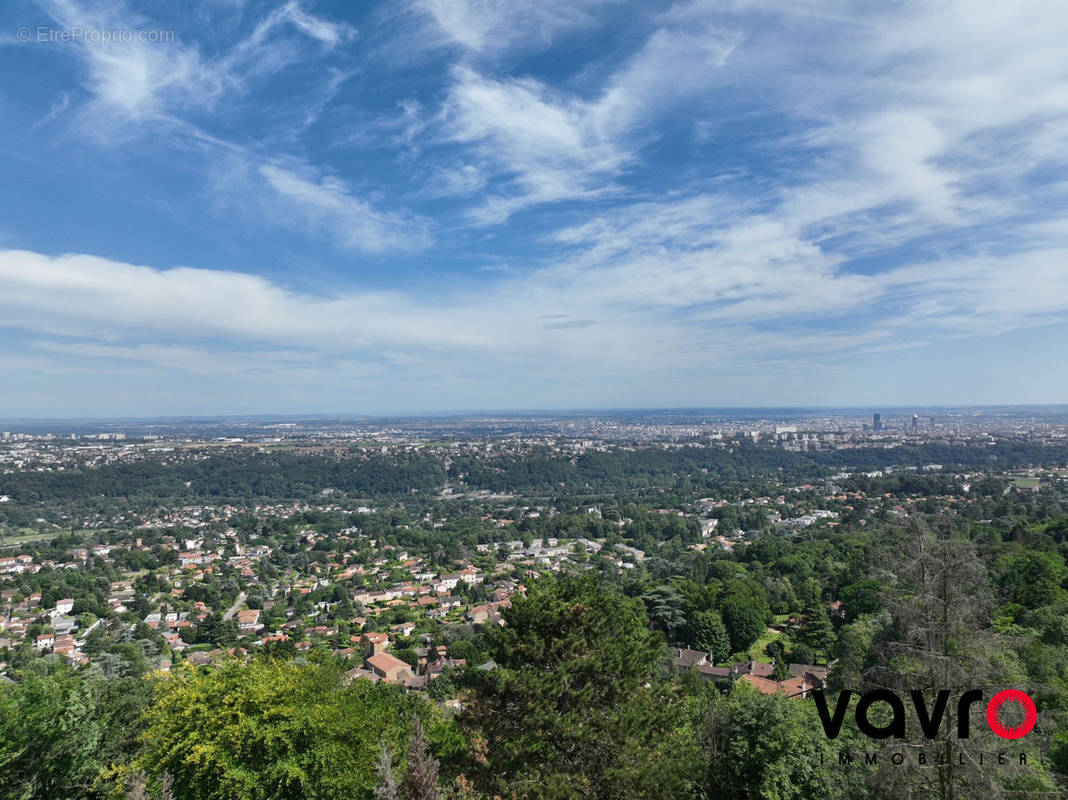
{"points": [[418, 206]]}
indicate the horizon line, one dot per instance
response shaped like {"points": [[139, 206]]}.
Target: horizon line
{"points": [[528, 411]]}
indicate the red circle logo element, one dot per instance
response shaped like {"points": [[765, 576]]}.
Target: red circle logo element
{"points": [[1011, 696]]}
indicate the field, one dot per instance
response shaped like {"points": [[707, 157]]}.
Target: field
{"points": [[24, 536]]}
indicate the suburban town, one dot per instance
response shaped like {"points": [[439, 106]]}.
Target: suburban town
{"points": [[398, 586]]}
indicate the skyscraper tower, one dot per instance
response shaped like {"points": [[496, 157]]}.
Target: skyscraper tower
{"points": [[877, 422], [915, 423]]}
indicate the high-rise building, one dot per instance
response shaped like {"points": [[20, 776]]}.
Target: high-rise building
{"points": [[877, 422], [915, 422]]}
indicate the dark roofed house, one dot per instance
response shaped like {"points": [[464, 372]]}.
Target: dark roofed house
{"points": [[411, 681], [711, 673], [437, 667], [683, 659], [758, 668], [686, 658], [800, 670]]}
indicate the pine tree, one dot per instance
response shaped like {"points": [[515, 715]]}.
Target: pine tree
{"points": [[780, 671], [817, 631], [422, 782], [575, 708], [664, 606]]}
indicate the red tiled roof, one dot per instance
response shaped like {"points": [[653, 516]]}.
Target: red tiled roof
{"points": [[384, 662]]}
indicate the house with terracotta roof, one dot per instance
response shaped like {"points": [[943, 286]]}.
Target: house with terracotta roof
{"points": [[762, 685], [360, 672], [248, 621], [794, 688], [389, 668], [378, 641]]}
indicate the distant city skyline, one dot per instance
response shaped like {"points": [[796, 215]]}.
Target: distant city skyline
{"points": [[402, 208], [898, 416]]}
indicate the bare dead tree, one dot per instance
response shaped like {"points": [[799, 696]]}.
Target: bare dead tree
{"points": [[387, 788], [940, 638], [422, 782], [166, 785], [137, 786]]}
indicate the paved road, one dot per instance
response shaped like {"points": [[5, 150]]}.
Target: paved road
{"points": [[237, 604], [81, 640]]}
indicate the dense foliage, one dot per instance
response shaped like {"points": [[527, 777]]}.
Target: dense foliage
{"points": [[366, 473], [271, 729], [576, 707]]}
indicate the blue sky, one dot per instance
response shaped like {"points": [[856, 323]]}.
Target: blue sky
{"points": [[462, 204]]}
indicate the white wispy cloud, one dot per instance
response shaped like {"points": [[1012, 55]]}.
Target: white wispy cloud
{"points": [[464, 179], [61, 104], [330, 34], [548, 147], [498, 26], [144, 90], [325, 204], [199, 361], [548, 144], [926, 115], [134, 82]]}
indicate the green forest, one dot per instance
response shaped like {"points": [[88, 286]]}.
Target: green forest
{"points": [[542, 470]]}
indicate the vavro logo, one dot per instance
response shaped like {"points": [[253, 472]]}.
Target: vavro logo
{"points": [[930, 719]]}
